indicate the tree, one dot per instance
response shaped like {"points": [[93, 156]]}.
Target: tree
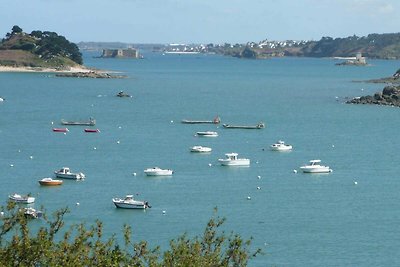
{"points": [[16, 29], [81, 246]]}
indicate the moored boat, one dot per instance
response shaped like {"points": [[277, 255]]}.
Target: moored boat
{"points": [[123, 94], [207, 134], [315, 167], [281, 146], [91, 122], [216, 120], [156, 171], [21, 199], [130, 203], [260, 125], [91, 130], [66, 173], [200, 149], [32, 213], [60, 130], [233, 160], [50, 182]]}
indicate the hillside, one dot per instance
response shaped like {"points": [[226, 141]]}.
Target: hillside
{"points": [[38, 49]]}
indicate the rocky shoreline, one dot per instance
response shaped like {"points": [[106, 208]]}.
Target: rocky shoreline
{"points": [[91, 74], [390, 96]]}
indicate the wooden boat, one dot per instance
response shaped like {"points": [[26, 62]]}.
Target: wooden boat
{"points": [[260, 125], [50, 182], [60, 130], [216, 120], [91, 122], [92, 130]]}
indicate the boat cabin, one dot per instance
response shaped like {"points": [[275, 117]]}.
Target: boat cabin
{"points": [[315, 162], [64, 170], [231, 156]]}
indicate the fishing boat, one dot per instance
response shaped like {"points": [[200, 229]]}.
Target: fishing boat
{"points": [[60, 130], [315, 167], [91, 130], [207, 134], [216, 120], [66, 173], [200, 149], [91, 122], [281, 146], [130, 203], [50, 182], [260, 125], [21, 199], [233, 160], [156, 171]]}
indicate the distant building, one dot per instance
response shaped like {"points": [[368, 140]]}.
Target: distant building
{"points": [[121, 53]]}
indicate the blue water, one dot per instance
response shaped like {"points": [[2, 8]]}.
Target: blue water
{"points": [[297, 219]]}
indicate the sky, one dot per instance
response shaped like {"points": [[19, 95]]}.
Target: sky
{"points": [[201, 21]]}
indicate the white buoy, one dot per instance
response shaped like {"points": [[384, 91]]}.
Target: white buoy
{"points": [[11, 165], [258, 188], [294, 171], [209, 164], [134, 174], [31, 157], [355, 183], [77, 203], [163, 212], [65, 133], [94, 148], [259, 177], [333, 145], [172, 121], [257, 162], [248, 198], [119, 127], [52, 123], [19, 150], [118, 142], [2, 213]]}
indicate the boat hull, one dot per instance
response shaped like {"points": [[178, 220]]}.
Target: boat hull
{"points": [[207, 134], [50, 182], [60, 130], [281, 148], [200, 149], [92, 130], [130, 206], [72, 176], [325, 169], [158, 173], [238, 162]]}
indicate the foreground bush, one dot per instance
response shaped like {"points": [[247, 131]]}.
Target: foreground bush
{"points": [[82, 246]]}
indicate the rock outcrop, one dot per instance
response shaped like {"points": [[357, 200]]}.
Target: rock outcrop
{"points": [[90, 74], [390, 96]]}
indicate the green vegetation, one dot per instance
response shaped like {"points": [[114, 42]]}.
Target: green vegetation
{"points": [[38, 49], [81, 246]]}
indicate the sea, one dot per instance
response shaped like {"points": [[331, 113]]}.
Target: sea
{"points": [[349, 217]]}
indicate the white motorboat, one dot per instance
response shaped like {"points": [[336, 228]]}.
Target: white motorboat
{"points": [[233, 160], [66, 173], [21, 199], [130, 203], [32, 213], [156, 171], [207, 134], [315, 167], [200, 149], [281, 146]]}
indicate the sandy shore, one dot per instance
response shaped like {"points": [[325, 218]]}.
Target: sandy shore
{"points": [[31, 69]]}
